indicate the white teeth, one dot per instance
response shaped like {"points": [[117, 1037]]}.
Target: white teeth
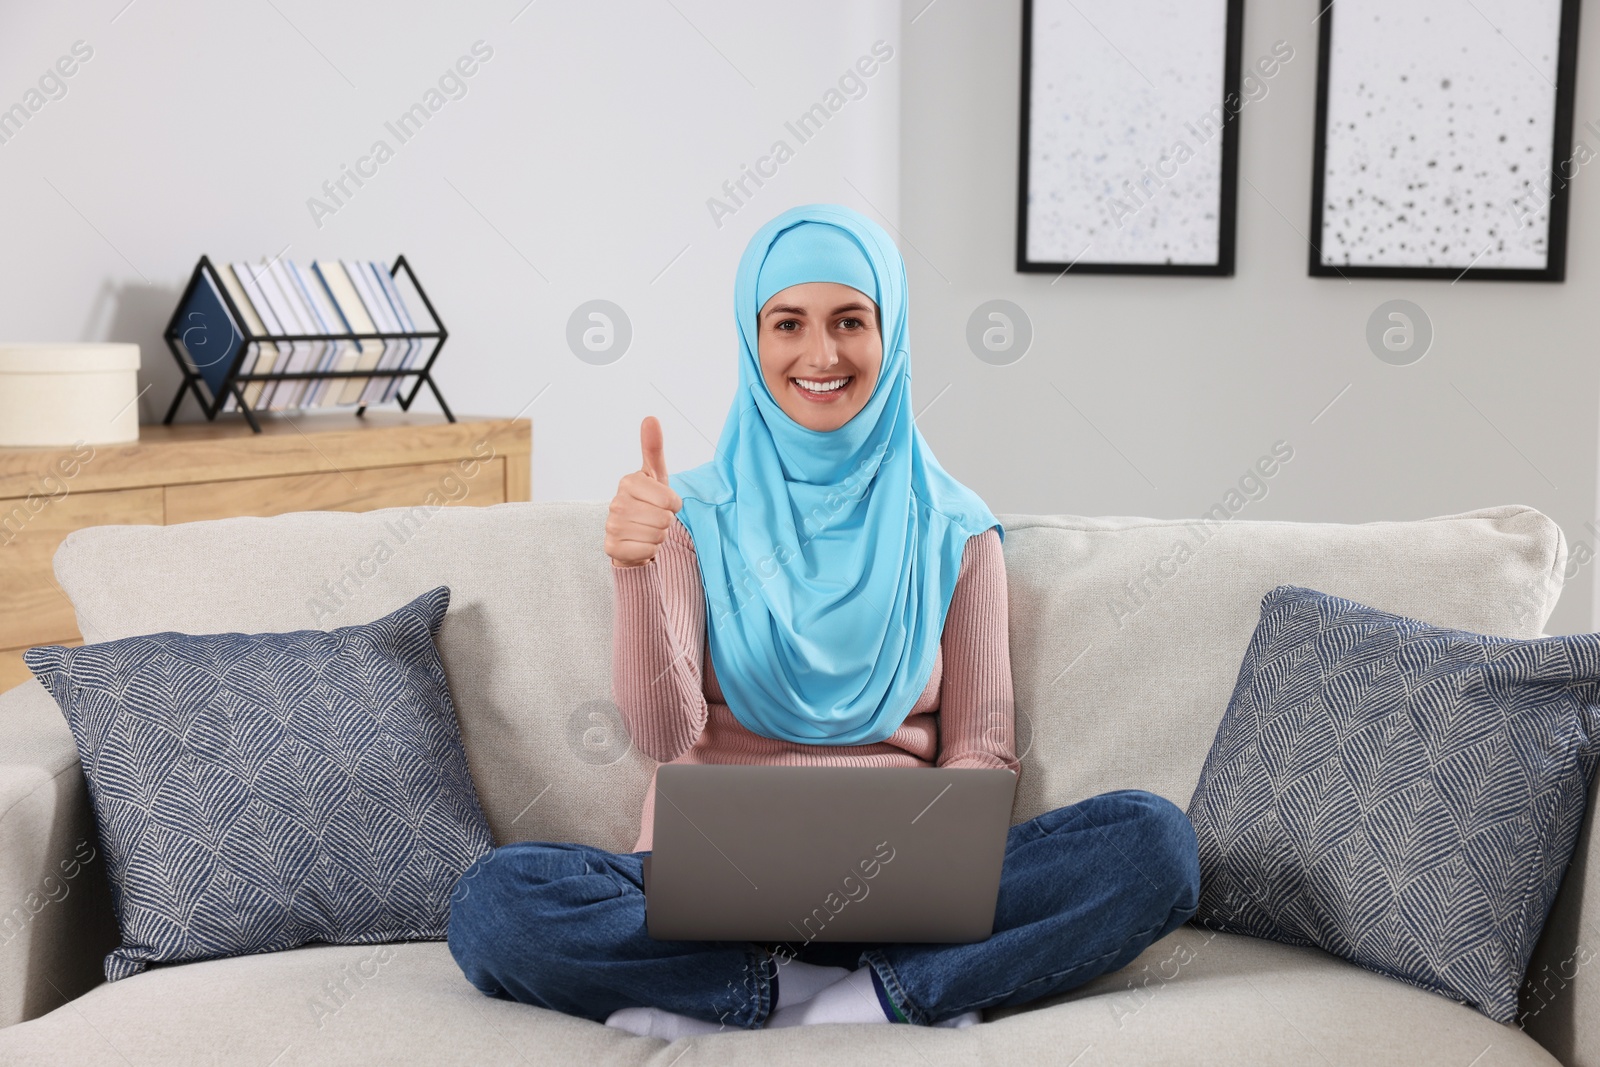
{"points": [[823, 387]]}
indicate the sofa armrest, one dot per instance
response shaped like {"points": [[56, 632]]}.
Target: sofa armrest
{"points": [[56, 921], [1560, 998]]}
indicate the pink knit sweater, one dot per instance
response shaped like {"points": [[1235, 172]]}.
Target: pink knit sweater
{"points": [[663, 683]]}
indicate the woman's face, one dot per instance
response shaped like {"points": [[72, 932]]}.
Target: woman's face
{"points": [[821, 349]]}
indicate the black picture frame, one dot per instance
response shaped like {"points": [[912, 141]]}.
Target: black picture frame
{"points": [[1554, 269], [1227, 208]]}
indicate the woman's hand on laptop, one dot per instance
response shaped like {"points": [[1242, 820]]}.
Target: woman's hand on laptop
{"points": [[645, 505]]}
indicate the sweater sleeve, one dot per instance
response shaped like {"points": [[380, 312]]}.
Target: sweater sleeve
{"points": [[977, 711], [657, 648]]}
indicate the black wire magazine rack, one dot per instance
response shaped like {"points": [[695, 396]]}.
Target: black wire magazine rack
{"points": [[214, 397]]}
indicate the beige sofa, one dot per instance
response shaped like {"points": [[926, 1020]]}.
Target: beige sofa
{"points": [[1124, 650]]}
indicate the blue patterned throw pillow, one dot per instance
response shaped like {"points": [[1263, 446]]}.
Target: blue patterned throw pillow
{"points": [[1399, 794], [255, 792]]}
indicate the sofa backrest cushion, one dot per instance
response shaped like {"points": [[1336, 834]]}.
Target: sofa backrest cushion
{"points": [[1124, 648], [1127, 633]]}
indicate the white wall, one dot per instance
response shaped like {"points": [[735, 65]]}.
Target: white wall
{"points": [[577, 166], [1190, 380]]}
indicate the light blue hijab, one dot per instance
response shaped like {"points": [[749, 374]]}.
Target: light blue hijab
{"points": [[828, 558]]}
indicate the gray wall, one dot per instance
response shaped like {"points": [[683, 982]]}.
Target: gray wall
{"points": [[1176, 386], [579, 164]]}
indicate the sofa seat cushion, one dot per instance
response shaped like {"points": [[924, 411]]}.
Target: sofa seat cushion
{"points": [[1195, 997]]}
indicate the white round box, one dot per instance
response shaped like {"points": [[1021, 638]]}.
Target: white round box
{"points": [[61, 394]]}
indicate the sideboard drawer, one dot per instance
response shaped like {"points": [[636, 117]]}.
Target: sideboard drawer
{"points": [[36, 610], [352, 490]]}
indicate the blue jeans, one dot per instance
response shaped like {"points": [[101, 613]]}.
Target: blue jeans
{"points": [[1083, 890]]}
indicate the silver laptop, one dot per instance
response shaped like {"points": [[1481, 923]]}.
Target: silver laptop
{"points": [[786, 853]]}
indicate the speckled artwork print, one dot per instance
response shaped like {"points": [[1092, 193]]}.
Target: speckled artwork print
{"points": [[1439, 131], [1124, 131]]}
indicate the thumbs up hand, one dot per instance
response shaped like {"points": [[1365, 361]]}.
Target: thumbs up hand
{"points": [[645, 505]]}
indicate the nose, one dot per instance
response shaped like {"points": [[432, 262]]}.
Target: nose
{"points": [[822, 353]]}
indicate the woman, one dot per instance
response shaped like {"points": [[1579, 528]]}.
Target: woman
{"points": [[821, 592]]}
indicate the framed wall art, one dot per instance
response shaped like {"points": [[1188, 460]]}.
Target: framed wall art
{"points": [[1129, 136], [1444, 139]]}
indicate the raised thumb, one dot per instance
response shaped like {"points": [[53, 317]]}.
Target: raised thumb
{"points": [[655, 460]]}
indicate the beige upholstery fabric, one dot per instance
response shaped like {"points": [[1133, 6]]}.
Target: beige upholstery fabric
{"points": [[57, 922], [1560, 998], [1195, 997], [526, 643], [1125, 688], [527, 639], [1116, 687]]}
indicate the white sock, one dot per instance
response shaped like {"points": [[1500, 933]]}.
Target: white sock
{"points": [[962, 1021], [654, 1022], [851, 999], [799, 981]]}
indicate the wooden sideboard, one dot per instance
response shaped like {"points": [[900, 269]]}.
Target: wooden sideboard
{"points": [[195, 471]]}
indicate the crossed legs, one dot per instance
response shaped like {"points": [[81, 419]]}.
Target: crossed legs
{"points": [[1083, 890]]}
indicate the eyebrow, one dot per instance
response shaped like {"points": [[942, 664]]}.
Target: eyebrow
{"points": [[790, 309]]}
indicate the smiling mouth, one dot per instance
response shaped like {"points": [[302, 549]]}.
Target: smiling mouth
{"points": [[821, 390]]}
